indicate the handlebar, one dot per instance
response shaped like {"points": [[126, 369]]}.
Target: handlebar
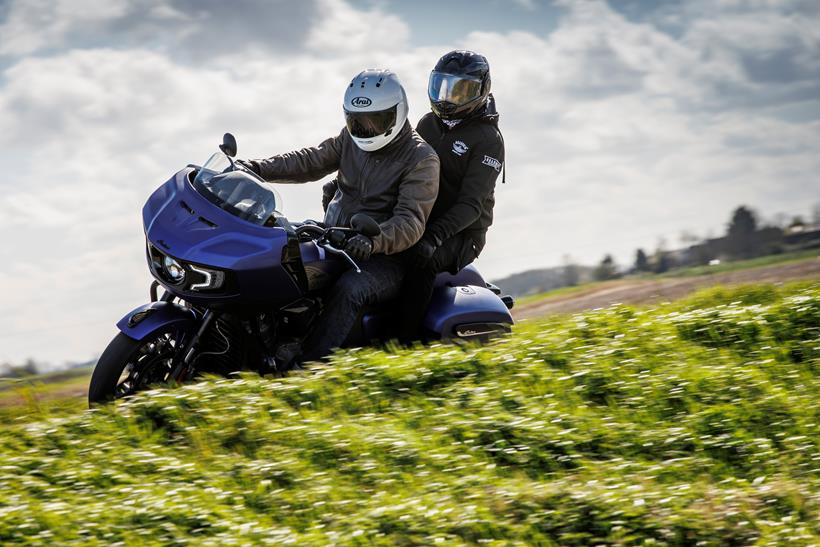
{"points": [[321, 239]]}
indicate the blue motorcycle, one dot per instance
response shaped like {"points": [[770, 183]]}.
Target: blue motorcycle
{"points": [[239, 281]]}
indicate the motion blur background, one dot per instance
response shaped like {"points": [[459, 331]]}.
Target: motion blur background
{"points": [[626, 123]]}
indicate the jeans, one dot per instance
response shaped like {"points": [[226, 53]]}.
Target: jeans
{"points": [[379, 281]]}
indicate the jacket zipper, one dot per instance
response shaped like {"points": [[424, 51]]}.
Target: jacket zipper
{"points": [[361, 176]]}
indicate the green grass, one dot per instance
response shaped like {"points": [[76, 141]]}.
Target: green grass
{"points": [[39, 398], [693, 423]]}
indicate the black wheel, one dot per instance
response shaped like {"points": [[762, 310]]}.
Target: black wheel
{"points": [[127, 365]]}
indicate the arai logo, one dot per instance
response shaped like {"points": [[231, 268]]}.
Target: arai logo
{"points": [[459, 148], [360, 102]]}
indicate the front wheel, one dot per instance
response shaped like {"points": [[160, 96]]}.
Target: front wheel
{"points": [[127, 365]]}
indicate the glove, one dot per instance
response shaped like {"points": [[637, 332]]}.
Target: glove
{"points": [[249, 165], [359, 247], [424, 251], [328, 191]]}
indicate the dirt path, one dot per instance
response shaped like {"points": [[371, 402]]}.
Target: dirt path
{"points": [[642, 291]]}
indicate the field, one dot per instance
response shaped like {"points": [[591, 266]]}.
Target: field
{"points": [[672, 286], [686, 423], [42, 396]]}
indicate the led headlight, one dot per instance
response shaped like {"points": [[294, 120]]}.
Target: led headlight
{"points": [[175, 271], [208, 279]]}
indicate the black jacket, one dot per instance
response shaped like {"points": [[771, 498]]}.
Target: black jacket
{"points": [[396, 185], [472, 157]]}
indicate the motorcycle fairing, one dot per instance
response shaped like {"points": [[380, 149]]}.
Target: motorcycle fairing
{"points": [[184, 225]]}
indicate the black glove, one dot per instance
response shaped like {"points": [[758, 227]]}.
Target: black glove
{"points": [[328, 191], [249, 165], [359, 247], [423, 252]]}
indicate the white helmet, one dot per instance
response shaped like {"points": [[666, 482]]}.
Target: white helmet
{"points": [[375, 108]]}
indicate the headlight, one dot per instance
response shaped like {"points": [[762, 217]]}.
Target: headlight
{"points": [[184, 275], [208, 279], [174, 269]]}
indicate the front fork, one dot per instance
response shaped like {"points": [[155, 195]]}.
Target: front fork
{"points": [[182, 369]]}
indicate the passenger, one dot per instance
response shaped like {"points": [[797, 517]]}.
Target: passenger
{"points": [[463, 130]]}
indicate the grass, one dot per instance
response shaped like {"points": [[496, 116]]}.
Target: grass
{"points": [[692, 271], [561, 291], [736, 265], [693, 423], [43, 396]]}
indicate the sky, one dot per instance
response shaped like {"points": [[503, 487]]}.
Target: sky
{"points": [[625, 123]]}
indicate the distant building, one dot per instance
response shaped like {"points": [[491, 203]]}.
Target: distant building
{"points": [[803, 236]]}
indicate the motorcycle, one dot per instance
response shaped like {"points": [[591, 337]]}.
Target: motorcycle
{"points": [[239, 282]]}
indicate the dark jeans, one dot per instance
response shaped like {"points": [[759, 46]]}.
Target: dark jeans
{"points": [[417, 289], [379, 281]]}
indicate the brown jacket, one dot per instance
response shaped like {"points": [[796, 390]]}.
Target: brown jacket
{"points": [[396, 185]]}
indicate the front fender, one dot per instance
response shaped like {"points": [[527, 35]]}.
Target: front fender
{"points": [[149, 319]]}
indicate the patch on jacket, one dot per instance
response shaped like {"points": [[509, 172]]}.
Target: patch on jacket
{"points": [[459, 148], [492, 162]]}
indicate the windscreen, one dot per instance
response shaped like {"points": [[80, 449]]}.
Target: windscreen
{"points": [[237, 192]]}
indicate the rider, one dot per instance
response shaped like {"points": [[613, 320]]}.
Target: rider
{"points": [[385, 170], [463, 129]]}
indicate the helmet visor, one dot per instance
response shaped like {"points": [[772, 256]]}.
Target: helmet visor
{"points": [[366, 125], [454, 89]]}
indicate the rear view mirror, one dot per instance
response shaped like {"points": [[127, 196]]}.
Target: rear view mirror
{"points": [[365, 225], [228, 145]]}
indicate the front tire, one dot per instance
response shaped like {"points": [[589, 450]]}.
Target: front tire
{"points": [[127, 365]]}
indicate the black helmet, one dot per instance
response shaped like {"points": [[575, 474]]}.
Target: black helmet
{"points": [[459, 84]]}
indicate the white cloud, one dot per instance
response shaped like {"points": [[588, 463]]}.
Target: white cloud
{"points": [[347, 30], [38, 24], [617, 132]]}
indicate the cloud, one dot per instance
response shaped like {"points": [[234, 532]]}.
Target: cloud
{"points": [[347, 30], [626, 128], [618, 129], [190, 30]]}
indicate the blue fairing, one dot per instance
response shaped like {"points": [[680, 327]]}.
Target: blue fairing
{"points": [[183, 224], [452, 306], [159, 315]]}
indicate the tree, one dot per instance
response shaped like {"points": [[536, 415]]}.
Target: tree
{"points": [[662, 261], [641, 261], [740, 237], [606, 269], [571, 273], [688, 238], [29, 368]]}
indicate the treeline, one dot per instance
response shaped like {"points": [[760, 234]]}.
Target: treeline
{"points": [[28, 368], [745, 238]]}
